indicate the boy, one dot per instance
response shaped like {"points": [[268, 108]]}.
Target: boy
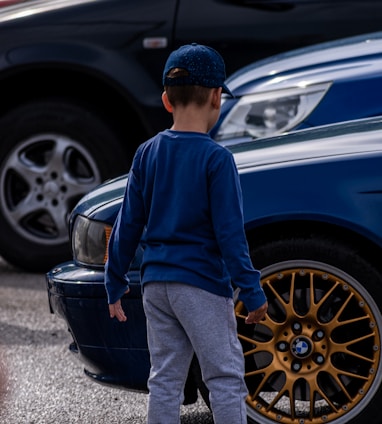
{"points": [[184, 190]]}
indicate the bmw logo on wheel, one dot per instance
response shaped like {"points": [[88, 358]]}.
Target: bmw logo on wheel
{"points": [[301, 347]]}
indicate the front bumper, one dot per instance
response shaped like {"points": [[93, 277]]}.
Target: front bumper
{"points": [[113, 353]]}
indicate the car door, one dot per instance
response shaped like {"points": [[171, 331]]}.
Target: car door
{"points": [[246, 30]]}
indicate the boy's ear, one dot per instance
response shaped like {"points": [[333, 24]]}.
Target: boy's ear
{"points": [[216, 97], [166, 103]]}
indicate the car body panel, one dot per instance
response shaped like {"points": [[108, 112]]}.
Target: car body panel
{"points": [[107, 36], [78, 290], [286, 174], [76, 38]]}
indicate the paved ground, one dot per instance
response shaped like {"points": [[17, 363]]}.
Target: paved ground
{"points": [[45, 385]]}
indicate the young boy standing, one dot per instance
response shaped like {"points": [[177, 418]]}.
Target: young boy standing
{"points": [[183, 203]]}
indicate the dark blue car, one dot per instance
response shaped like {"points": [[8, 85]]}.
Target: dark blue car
{"points": [[313, 208]]}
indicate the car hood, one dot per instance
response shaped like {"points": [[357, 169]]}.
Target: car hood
{"points": [[102, 203], [314, 144], [319, 63], [304, 146]]}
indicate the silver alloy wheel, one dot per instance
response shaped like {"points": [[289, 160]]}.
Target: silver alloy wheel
{"points": [[41, 180]]}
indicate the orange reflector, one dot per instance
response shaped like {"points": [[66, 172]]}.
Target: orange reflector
{"points": [[107, 237]]}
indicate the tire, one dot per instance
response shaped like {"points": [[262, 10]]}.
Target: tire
{"points": [[315, 358], [51, 154]]}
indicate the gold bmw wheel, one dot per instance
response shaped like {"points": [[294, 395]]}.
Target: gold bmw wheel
{"points": [[316, 356]]}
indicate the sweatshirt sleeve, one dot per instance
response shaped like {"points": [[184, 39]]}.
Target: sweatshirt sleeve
{"points": [[227, 216], [124, 240]]}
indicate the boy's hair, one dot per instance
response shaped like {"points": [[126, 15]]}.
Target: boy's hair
{"points": [[185, 94]]}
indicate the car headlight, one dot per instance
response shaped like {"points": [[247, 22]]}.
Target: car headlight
{"points": [[90, 240], [270, 113]]}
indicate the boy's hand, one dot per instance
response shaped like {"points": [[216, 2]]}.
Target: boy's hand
{"points": [[257, 315], [117, 311]]}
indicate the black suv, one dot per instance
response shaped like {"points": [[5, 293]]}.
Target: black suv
{"points": [[80, 84]]}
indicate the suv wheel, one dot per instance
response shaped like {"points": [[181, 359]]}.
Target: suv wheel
{"points": [[51, 154]]}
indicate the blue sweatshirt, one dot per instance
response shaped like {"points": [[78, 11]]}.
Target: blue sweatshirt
{"points": [[183, 203]]}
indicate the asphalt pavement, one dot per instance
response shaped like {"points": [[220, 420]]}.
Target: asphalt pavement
{"points": [[40, 381]]}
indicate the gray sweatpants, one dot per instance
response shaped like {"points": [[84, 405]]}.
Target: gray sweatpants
{"points": [[182, 319]]}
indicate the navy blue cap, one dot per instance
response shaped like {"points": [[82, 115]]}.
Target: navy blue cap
{"points": [[204, 65]]}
